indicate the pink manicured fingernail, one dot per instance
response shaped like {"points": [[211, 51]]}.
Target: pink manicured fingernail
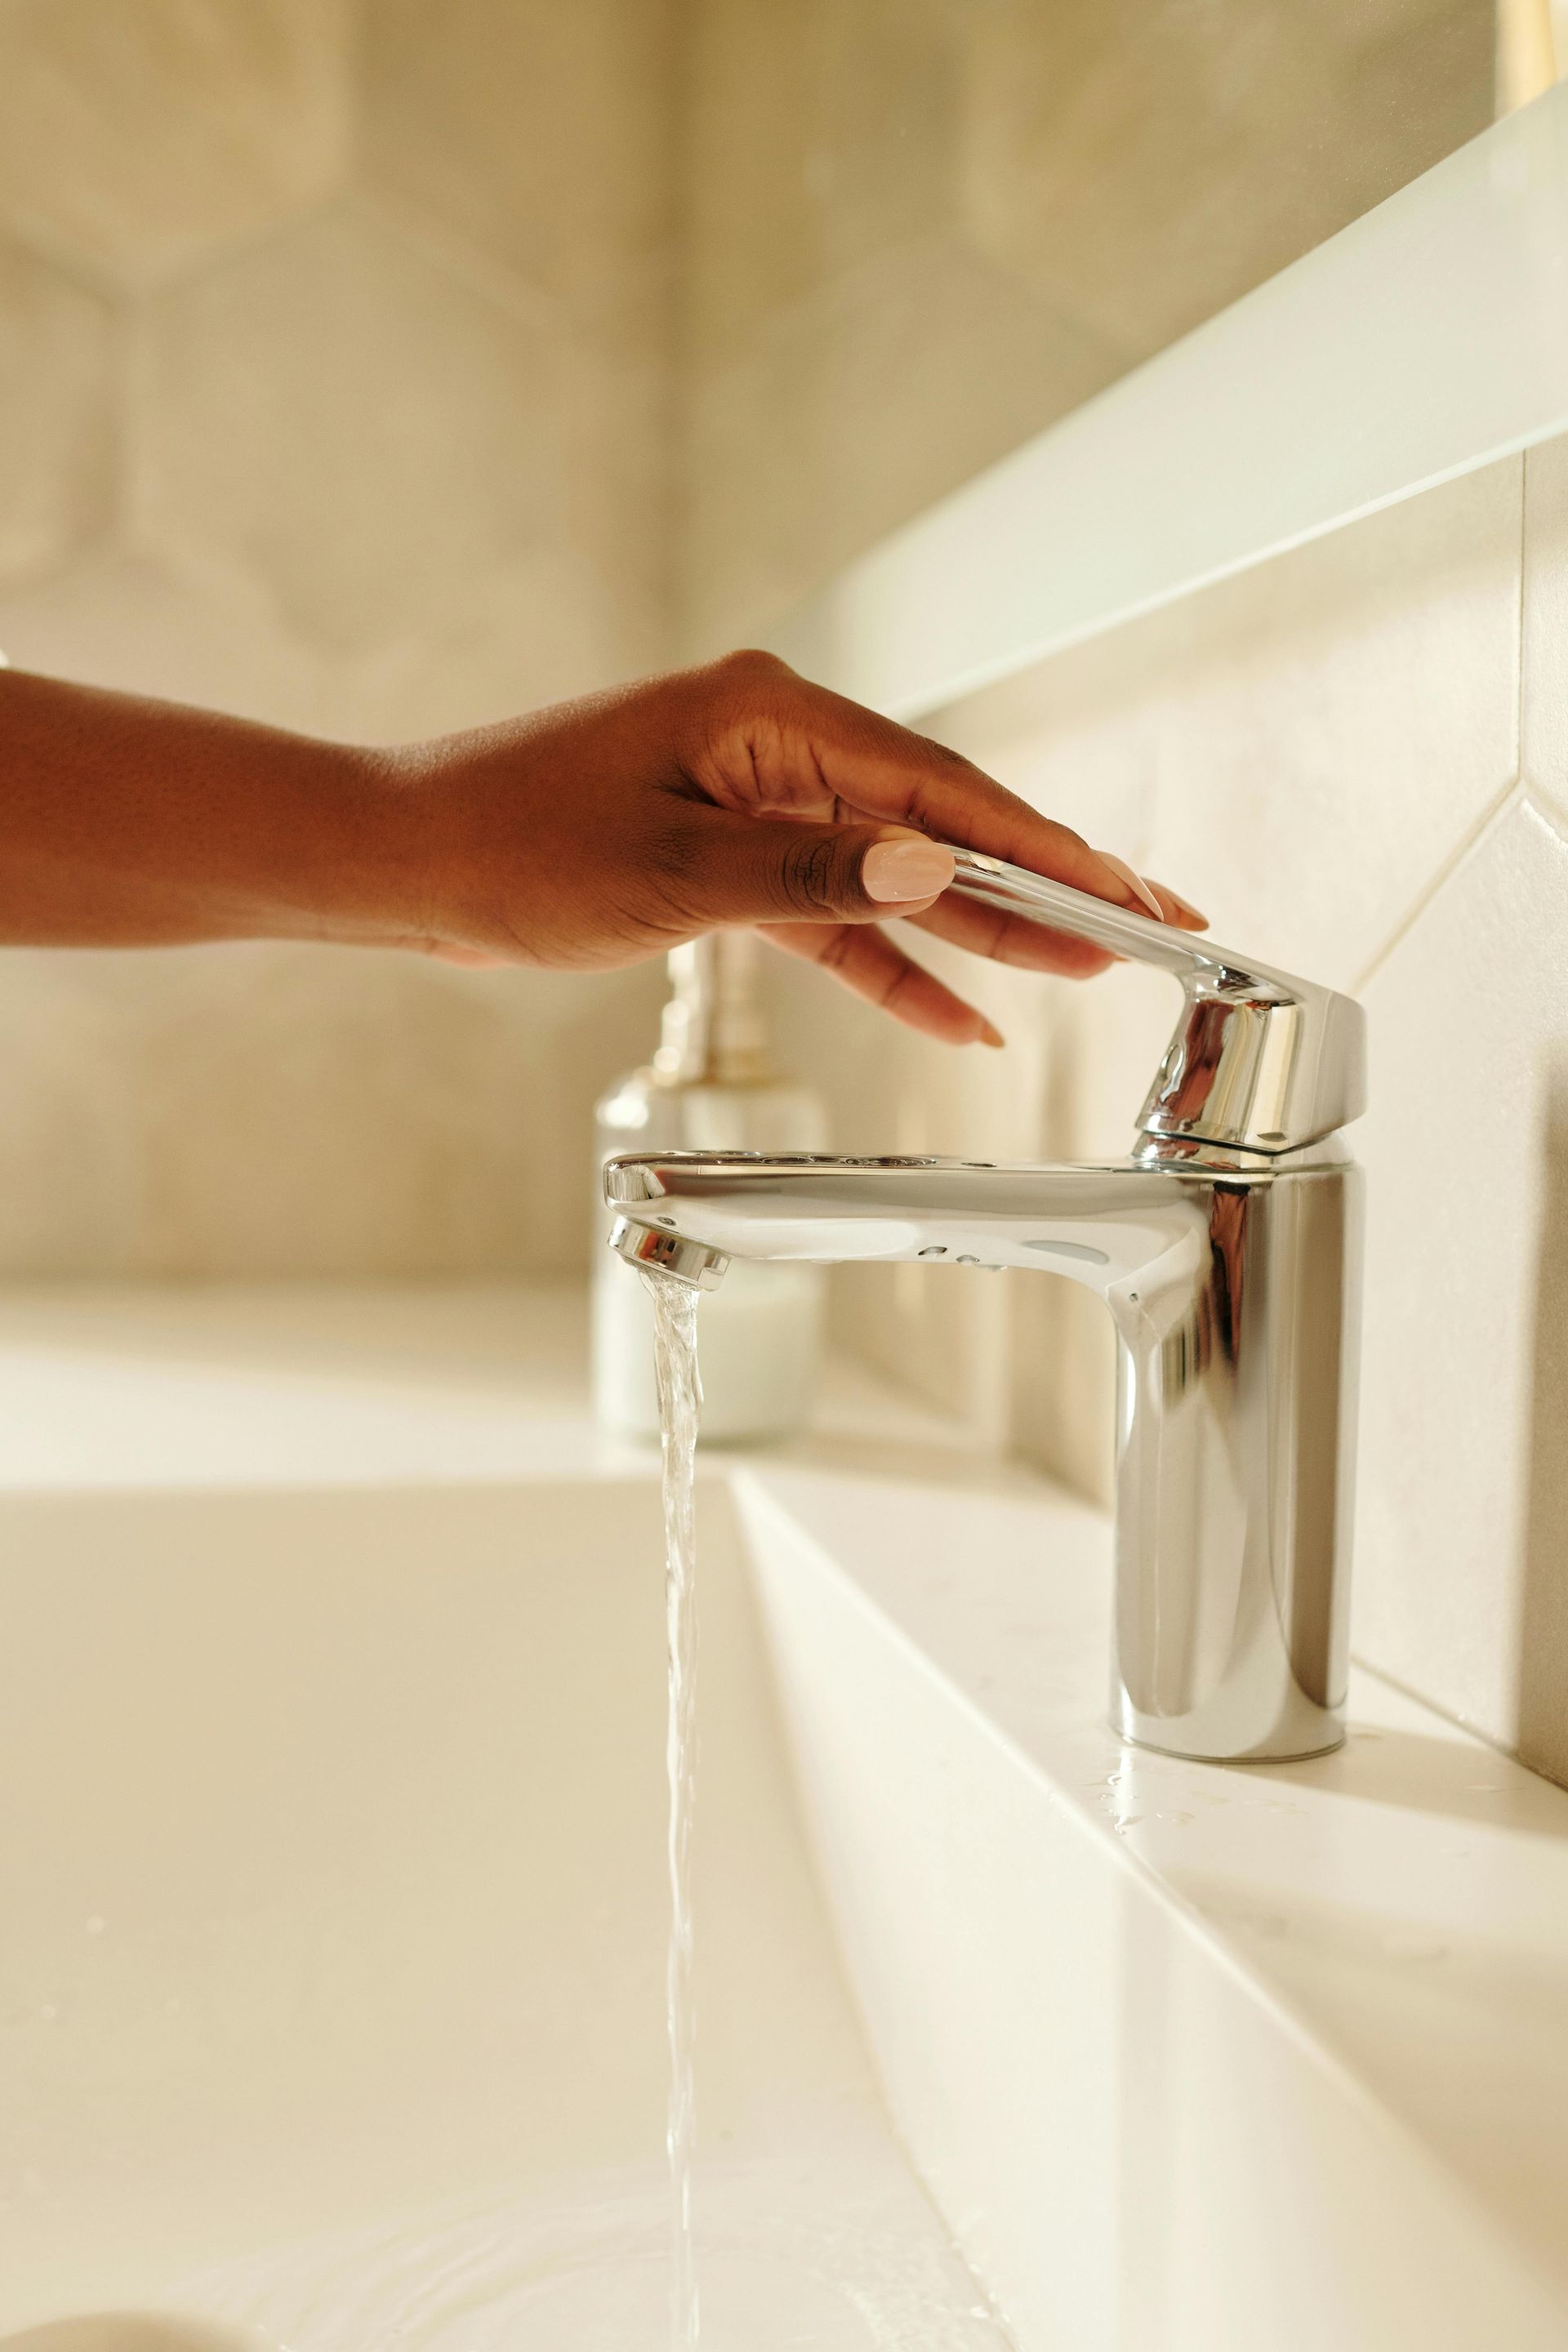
{"points": [[990, 1035], [1185, 905], [895, 870], [1134, 882]]}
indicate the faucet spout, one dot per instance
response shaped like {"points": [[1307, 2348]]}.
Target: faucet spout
{"points": [[1233, 1281]]}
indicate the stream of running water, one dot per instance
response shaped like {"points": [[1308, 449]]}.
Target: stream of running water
{"points": [[679, 1394]]}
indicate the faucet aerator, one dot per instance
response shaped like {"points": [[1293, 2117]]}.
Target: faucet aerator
{"points": [[670, 1254]]}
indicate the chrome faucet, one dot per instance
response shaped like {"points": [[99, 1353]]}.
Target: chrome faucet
{"points": [[1228, 1248]]}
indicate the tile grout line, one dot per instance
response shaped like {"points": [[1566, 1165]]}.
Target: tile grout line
{"points": [[1519, 654], [1515, 788], [1512, 792], [1543, 812]]}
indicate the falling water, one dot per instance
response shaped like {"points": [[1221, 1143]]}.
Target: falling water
{"points": [[839, 2250], [675, 1357]]}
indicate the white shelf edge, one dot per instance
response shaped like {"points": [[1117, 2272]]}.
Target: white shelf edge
{"points": [[1427, 339]]}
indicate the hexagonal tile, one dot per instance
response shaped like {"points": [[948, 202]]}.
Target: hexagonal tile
{"points": [[124, 621], [138, 134], [336, 418], [538, 133], [552, 627], [1459, 1585], [70, 1171], [817, 139], [260, 1109], [312, 1110], [56, 414], [855, 410], [1146, 166]]}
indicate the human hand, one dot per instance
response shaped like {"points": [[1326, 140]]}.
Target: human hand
{"points": [[600, 832]]}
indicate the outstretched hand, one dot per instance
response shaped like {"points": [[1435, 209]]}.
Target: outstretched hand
{"points": [[590, 835], [602, 831]]}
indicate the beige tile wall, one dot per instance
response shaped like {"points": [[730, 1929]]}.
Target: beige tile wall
{"points": [[1357, 758], [334, 381], [918, 231]]}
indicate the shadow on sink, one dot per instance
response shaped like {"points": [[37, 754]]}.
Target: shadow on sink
{"points": [[136, 2331]]}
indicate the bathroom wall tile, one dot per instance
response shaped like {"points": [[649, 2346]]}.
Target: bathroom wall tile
{"points": [[536, 133], [1357, 718], [71, 1170], [1310, 741], [1543, 696], [122, 620], [139, 135], [262, 1110], [1462, 1577], [57, 435], [551, 627], [616, 489], [852, 412], [816, 139], [1147, 166], [1069, 736], [334, 418]]}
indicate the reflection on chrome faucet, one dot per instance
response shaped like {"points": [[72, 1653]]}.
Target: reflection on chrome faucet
{"points": [[1226, 1248]]}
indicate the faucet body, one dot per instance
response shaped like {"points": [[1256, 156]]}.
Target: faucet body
{"points": [[1231, 1268], [1234, 1290]]}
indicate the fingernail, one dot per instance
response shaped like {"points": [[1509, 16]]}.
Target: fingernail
{"points": [[990, 1035], [1134, 882], [895, 870], [1185, 905]]}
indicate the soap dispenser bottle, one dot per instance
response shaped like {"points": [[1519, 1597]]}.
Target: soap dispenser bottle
{"points": [[711, 1087]]}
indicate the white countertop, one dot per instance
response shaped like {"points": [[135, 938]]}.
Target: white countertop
{"points": [[1402, 1905], [345, 1385]]}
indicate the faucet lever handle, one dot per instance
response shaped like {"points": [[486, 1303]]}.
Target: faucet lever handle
{"points": [[1260, 1061]]}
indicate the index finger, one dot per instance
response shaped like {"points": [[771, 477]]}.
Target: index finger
{"points": [[877, 768]]}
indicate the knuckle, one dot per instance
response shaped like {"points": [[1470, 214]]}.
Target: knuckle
{"points": [[749, 670], [666, 868], [810, 874], [942, 755], [900, 982]]}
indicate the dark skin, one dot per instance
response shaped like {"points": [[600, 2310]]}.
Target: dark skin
{"points": [[590, 835]]}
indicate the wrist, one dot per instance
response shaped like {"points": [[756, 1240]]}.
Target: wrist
{"points": [[354, 857]]}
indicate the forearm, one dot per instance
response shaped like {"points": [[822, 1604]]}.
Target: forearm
{"points": [[126, 823]]}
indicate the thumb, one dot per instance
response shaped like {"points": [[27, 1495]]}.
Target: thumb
{"points": [[747, 870]]}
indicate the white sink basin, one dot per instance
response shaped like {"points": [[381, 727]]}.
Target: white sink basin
{"points": [[332, 1985], [331, 1830]]}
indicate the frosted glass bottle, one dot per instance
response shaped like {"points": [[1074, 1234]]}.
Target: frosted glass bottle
{"points": [[711, 1087]]}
